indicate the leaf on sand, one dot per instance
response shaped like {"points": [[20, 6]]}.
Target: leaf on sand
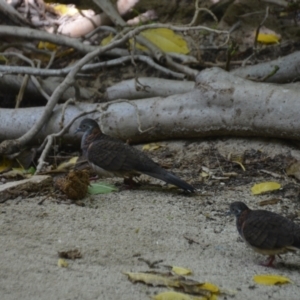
{"points": [[210, 287], [101, 188], [189, 286], [181, 271], [264, 187], [155, 279], [170, 295], [70, 254], [62, 263], [270, 279]]}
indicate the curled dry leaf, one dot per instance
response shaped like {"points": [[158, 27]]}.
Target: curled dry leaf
{"points": [[270, 279], [155, 279], [171, 295], [181, 271], [265, 187], [238, 159], [70, 254], [189, 286]]}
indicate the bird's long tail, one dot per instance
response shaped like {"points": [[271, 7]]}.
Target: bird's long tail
{"points": [[168, 177]]}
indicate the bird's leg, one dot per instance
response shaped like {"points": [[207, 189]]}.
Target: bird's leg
{"points": [[94, 178], [130, 183], [269, 262]]}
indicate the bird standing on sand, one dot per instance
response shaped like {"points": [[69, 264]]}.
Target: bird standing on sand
{"points": [[112, 157], [266, 232]]}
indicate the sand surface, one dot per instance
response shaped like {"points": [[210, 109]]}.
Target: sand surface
{"points": [[116, 232]]}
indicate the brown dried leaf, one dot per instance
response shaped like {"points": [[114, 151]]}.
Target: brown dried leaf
{"points": [[155, 278], [70, 254]]}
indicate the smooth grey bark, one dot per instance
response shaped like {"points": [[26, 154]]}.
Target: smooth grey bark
{"points": [[288, 69], [12, 83], [148, 87], [221, 104]]}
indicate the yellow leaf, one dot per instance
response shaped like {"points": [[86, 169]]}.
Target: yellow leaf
{"points": [[46, 45], [264, 187], [154, 279], [63, 9], [5, 164], [267, 38], [271, 279], [67, 164], [166, 40], [3, 60], [181, 271], [151, 147], [170, 295], [62, 263], [210, 287], [107, 40]]}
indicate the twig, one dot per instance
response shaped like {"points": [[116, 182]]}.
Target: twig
{"points": [[197, 11], [13, 14], [26, 78], [259, 26], [84, 48], [22, 91], [39, 87], [99, 28], [63, 110], [88, 67]]}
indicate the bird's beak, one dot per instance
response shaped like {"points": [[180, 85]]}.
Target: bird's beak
{"points": [[77, 130], [228, 213]]}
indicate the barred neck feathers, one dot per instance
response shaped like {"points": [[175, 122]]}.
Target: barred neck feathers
{"points": [[89, 137]]}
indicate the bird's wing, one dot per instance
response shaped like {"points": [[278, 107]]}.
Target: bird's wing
{"points": [[113, 155], [266, 230]]}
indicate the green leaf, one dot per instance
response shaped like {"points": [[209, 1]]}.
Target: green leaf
{"points": [[31, 170], [101, 188]]}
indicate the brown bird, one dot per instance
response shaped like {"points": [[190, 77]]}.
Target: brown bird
{"points": [[112, 157], [266, 232]]}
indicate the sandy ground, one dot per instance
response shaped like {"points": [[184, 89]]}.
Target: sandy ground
{"points": [[115, 232]]}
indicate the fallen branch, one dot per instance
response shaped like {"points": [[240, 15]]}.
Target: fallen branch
{"points": [[221, 104], [147, 87], [288, 70]]}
